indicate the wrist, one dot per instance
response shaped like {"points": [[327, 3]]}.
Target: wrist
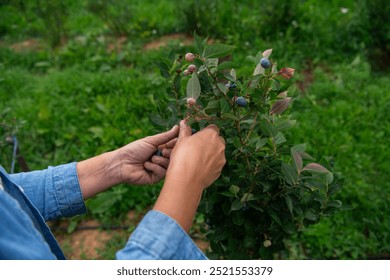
{"points": [[99, 173]]}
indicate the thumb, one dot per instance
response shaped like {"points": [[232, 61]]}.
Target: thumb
{"points": [[185, 130], [164, 137]]}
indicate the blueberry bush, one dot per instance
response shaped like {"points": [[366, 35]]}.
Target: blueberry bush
{"points": [[270, 188]]}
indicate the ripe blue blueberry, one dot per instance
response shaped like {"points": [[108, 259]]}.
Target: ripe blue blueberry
{"points": [[240, 101], [158, 153], [193, 131], [265, 63]]}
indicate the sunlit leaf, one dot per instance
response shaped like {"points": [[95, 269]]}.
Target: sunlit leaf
{"points": [[258, 70], [193, 86], [234, 189], [282, 94], [267, 53], [233, 74]]}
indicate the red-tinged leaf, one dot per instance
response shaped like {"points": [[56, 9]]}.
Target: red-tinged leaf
{"points": [[282, 94], [286, 72], [316, 168], [280, 106], [297, 160], [267, 53]]}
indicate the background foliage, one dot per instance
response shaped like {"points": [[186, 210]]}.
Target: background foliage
{"points": [[75, 81]]}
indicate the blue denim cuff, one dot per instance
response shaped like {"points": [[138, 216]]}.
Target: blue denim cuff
{"points": [[159, 237], [67, 190]]}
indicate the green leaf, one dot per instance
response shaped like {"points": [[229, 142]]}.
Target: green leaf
{"points": [[222, 88], [193, 86], [199, 44], [164, 69], [286, 124], [227, 65], [329, 178], [275, 217], [238, 220], [229, 116], [225, 107], [157, 120], [311, 216], [261, 143], [218, 50], [279, 138], [299, 148], [334, 203], [213, 106], [247, 197], [268, 128], [236, 205], [289, 203], [212, 63], [234, 189], [289, 173]]}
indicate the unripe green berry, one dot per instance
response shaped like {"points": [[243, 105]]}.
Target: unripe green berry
{"points": [[267, 243], [190, 57]]}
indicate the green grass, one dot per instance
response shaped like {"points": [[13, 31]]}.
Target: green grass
{"points": [[80, 99]]}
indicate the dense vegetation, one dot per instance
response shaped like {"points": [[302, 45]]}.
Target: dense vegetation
{"points": [[76, 80]]}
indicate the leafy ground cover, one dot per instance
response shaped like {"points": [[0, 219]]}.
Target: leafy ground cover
{"points": [[91, 90]]}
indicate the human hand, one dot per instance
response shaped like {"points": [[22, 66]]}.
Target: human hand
{"points": [[197, 160], [139, 165]]}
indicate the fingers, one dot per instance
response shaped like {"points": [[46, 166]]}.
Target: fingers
{"points": [[165, 137], [168, 145], [185, 131], [162, 161], [212, 127], [157, 170]]}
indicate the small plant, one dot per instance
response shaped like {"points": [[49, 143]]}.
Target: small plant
{"points": [[269, 189]]}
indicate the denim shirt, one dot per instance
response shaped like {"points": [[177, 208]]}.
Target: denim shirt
{"points": [[29, 199]]}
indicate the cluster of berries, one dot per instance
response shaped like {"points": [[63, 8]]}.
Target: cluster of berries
{"points": [[191, 68], [240, 101]]}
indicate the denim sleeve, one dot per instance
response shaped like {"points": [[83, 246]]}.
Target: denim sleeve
{"points": [[19, 238], [159, 237], [55, 191]]}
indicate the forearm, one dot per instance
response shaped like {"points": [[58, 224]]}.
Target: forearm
{"points": [[99, 173], [179, 200]]}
